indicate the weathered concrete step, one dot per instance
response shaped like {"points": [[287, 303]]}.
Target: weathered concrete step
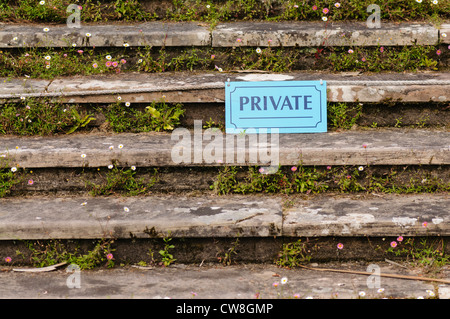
{"points": [[319, 34], [140, 217], [187, 87], [109, 35], [181, 283], [285, 34], [228, 216], [183, 148], [379, 216]]}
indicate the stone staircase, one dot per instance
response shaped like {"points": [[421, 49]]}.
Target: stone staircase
{"points": [[52, 201]]}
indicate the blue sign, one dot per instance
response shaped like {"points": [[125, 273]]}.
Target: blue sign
{"points": [[290, 106]]}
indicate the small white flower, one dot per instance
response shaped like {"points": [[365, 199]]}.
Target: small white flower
{"points": [[435, 1], [47, 66], [15, 38], [46, 29], [126, 45], [126, 209], [208, 6], [22, 98], [361, 293], [420, 297], [120, 146], [108, 57], [220, 70], [309, 297], [337, 4], [133, 168], [74, 45], [88, 34], [42, 2], [324, 18], [48, 58], [258, 50], [444, 35], [83, 204], [110, 166], [127, 103], [119, 98], [111, 147], [419, 1], [83, 155], [13, 169], [140, 61], [380, 290], [430, 293], [361, 168], [284, 280]]}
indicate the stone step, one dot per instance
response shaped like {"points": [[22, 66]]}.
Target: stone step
{"points": [[284, 34], [39, 218], [181, 283], [190, 148], [189, 87], [319, 34]]}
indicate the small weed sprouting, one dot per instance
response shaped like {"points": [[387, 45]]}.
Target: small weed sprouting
{"points": [[293, 255], [80, 121], [226, 259], [225, 181], [125, 119], [32, 116], [9, 177], [34, 11], [122, 181], [213, 126], [164, 117], [267, 59], [157, 117], [166, 257], [426, 253], [343, 116], [51, 252], [347, 180], [309, 180], [423, 121], [165, 60]]}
